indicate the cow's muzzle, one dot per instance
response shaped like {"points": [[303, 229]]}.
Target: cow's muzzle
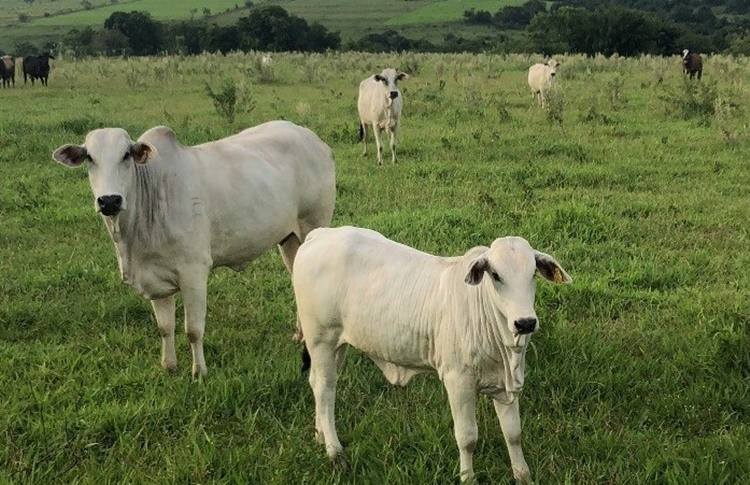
{"points": [[394, 94], [552, 74], [525, 325], [109, 205]]}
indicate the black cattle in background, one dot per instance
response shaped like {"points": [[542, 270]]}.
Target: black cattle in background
{"points": [[37, 67], [8, 71]]}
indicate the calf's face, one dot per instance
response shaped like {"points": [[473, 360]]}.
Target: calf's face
{"points": [[390, 78], [111, 156], [510, 266]]}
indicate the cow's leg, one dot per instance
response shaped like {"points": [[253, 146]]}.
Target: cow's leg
{"points": [[377, 132], [165, 320], [462, 398], [288, 250], [363, 126], [394, 135], [510, 422], [323, 378], [194, 297]]}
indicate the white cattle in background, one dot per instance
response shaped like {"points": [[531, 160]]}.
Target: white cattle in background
{"points": [[467, 318], [379, 105], [266, 60], [174, 212], [541, 78]]}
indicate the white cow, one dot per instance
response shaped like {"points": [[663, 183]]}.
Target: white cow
{"points": [[541, 78], [174, 212], [379, 104], [467, 318], [266, 60]]}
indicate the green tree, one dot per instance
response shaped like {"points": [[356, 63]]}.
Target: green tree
{"points": [[144, 34]]}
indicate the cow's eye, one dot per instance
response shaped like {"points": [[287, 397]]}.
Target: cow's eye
{"points": [[125, 157], [496, 277]]}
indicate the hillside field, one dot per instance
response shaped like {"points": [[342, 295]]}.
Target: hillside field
{"points": [[633, 178], [49, 22]]}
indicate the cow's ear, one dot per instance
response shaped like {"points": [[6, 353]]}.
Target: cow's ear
{"points": [[402, 75], [71, 155], [141, 152], [551, 269], [476, 271], [378, 77]]}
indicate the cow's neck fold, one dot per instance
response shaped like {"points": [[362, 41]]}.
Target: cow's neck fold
{"points": [[138, 227]]}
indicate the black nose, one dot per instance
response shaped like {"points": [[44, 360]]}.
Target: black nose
{"points": [[552, 74], [525, 325], [394, 94], [109, 205]]}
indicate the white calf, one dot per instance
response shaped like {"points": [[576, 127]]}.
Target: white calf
{"points": [[379, 104], [468, 319], [541, 77]]}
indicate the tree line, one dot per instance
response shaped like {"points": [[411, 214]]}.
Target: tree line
{"points": [[269, 28], [624, 27]]}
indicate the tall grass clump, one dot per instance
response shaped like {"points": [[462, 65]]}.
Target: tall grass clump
{"points": [[690, 99]]}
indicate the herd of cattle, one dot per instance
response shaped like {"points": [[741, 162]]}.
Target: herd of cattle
{"points": [[174, 212], [33, 67]]}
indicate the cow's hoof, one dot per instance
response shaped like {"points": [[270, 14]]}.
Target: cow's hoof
{"points": [[340, 463]]}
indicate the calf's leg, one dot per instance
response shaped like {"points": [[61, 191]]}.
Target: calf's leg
{"points": [[165, 320], [323, 378], [510, 422], [462, 398]]}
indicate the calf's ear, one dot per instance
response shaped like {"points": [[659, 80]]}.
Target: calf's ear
{"points": [[70, 155], [476, 271], [551, 269], [142, 151], [402, 75]]}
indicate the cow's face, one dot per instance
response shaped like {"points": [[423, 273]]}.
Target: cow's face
{"points": [[390, 79], [111, 156], [509, 267], [552, 67], [685, 53]]}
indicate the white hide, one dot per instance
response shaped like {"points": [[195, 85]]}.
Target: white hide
{"points": [[266, 60], [186, 210], [379, 105], [541, 78], [413, 312]]}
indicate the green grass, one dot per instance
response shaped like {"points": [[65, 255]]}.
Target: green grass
{"points": [[639, 373], [159, 10]]}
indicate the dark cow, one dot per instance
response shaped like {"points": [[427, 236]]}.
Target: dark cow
{"points": [[8, 71], [692, 64], [37, 67]]}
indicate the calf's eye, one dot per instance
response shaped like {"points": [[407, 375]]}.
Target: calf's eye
{"points": [[125, 157], [496, 277]]}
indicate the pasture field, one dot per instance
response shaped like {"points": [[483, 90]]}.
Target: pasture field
{"points": [[640, 372]]}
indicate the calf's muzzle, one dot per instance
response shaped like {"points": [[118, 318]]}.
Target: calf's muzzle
{"points": [[394, 94], [109, 205]]}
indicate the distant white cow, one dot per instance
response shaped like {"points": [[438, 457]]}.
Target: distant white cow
{"points": [[541, 78], [379, 104], [467, 318], [174, 212], [266, 60]]}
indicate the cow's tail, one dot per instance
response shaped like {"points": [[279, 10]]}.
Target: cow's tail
{"points": [[305, 359], [361, 131]]}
